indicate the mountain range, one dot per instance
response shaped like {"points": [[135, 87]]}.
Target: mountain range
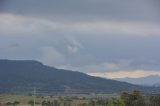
{"points": [[152, 80], [22, 75]]}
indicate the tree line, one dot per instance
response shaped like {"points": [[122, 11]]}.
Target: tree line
{"points": [[134, 98]]}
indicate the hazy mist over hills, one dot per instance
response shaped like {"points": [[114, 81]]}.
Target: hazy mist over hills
{"points": [[153, 80]]}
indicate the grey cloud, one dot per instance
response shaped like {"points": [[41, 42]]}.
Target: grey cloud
{"points": [[86, 9], [51, 56], [91, 49], [65, 33]]}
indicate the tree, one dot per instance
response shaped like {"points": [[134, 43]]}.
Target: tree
{"points": [[102, 102], [133, 99], [92, 103], [56, 103], [116, 102], [84, 104], [44, 103], [15, 103], [31, 102], [155, 100], [8, 103]]}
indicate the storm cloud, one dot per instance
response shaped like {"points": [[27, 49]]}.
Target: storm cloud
{"points": [[91, 36]]}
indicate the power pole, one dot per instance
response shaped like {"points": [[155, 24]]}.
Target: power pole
{"points": [[34, 96]]}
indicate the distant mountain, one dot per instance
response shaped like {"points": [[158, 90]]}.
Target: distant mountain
{"points": [[153, 80], [22, 75]]}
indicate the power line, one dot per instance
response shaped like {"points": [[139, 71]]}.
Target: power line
{"points": [[34, 96]]}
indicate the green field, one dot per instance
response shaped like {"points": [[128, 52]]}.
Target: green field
{"points": [[134, 98], [39, 99]]}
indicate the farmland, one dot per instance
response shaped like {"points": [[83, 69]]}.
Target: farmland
{"points": [[134, 98], [75, 99]]}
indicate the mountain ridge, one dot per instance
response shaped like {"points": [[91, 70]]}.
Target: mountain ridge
{"points": [[22, 74], [152, 80]]}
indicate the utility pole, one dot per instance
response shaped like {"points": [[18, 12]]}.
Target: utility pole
{"points": [[34, 96]]}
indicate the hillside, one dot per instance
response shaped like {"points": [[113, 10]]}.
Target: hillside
{"points": [[152, 80], [17, 75]]}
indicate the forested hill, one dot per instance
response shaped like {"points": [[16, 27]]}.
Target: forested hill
{"points": [[23, 74]]}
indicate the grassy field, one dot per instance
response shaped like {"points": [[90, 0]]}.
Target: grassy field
{"points": [[81, 100], [25, 99], [76, 100]]}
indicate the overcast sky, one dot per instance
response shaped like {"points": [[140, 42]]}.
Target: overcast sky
{"points": [[108, 38]]}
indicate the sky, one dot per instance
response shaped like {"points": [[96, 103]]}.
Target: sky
{"points": [[106, 38]]}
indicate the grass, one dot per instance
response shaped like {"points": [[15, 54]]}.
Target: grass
{"points": [[76, 100], [25, 99]]}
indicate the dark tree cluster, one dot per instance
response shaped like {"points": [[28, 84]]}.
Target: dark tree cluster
{"points": [[155, 101], [15, 103], [136, 99], [133, 99], [55, 103]]}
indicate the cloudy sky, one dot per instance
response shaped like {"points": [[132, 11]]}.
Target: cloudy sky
{"points": [[107, 38]]}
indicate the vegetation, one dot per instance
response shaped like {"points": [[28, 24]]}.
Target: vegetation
{"points": [[134, 98], [15, 103], [155, 101], [116, 102]]}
